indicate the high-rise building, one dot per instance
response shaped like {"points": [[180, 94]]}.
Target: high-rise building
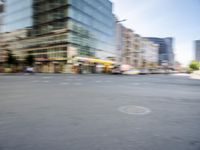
{"points": [[166, 50], [17, 15], [1, 17], [1, 28], [59, 30], [91, 27], [197, 50], [149, 53]]}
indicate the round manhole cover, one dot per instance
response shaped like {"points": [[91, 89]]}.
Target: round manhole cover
{"points": [[134, 110]]}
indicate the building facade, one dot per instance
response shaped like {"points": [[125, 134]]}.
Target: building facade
{"points": [[136, 51], [197, 50], [1, 30], [149, 53], [59, 30], [166, 50], [17, 15], [128, 49], [120, 41]]}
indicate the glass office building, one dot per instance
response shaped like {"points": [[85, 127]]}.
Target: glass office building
{"points": [[18, 15], [91, 25], [62, 29], [166, 50]]}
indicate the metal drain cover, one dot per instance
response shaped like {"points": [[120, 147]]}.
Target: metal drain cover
{"points": [[134, 110]]}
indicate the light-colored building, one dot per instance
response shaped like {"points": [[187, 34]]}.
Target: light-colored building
{"points": [[13, 41], [138, 58], [119, 41], [166, 51], [128, 47], [134, 50], [149, 52]]}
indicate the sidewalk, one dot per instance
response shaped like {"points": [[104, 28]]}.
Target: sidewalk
{"points": [[195, 75]]}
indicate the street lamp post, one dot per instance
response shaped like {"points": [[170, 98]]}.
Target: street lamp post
{"points": [[118, 21]]}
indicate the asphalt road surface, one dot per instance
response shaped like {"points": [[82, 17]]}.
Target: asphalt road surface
{"points": [[99, 112]]}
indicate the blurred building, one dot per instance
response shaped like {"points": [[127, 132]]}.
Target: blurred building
{"points": [[197, 50], [138, 52], [166, 50], [17, 15], [149, 53], [134, 50], [14, 41], [119, 41], [59, 30], [1, 28], [128, 48]]}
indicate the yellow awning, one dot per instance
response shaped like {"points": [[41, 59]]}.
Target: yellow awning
{"points": [[94, 60]]}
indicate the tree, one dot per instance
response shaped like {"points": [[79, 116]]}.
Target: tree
{"points": [[30, 59], [11, 60], [195, 65]]}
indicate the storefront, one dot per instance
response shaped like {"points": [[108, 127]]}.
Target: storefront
{"points": [[91, 65]]}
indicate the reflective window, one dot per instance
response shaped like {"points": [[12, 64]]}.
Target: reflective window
{"points": [[18, 14]]}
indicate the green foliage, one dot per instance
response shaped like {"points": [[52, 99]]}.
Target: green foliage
{"points": [[11, 59], [30, 60], [195, 65]]}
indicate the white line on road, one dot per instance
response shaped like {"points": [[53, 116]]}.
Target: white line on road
{"points": [[107, 81], [136, 84], [35, 81], [98, 81], [77, 83], [46, 77], [64, 83]]}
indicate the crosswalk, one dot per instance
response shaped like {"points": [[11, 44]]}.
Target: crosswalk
{"points": [[73, 81]]}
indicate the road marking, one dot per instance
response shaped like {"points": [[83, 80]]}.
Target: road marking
{"points": [[136, 84], [77, 83], [98, 81], [107, 81], [64, 83], [181, 74], [46, 77], [134, 110], [68, 80], [79, 79]]}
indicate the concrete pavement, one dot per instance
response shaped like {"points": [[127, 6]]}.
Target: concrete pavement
{"points": [[59, 112]]}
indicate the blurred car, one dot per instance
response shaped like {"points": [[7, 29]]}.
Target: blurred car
{"points": [[144, 71], [116, 70], [30, 70], [157, 71], [131, 72], [125, 67]]}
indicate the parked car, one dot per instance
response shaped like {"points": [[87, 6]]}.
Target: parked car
{"points": [[116, 70], [30, 70], [131, 72], [144, 71]]}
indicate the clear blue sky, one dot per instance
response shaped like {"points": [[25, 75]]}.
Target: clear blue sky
{"points": [[164, 18]]}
